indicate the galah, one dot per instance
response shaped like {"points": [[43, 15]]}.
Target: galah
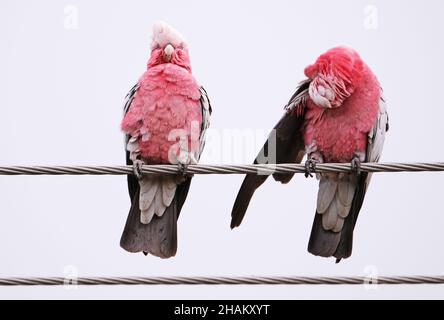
{"points": [[166, 116], [337, 114]]}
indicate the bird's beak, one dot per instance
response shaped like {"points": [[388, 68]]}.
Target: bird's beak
{"points": [[168, 52]]}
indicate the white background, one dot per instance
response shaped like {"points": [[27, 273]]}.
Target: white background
{"points": [[61, 96]]}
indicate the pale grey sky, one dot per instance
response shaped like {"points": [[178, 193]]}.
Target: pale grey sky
{"points": [[62, 93]]}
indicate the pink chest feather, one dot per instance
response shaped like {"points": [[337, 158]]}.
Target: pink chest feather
{"points": [[341, 132], [168, 99]]}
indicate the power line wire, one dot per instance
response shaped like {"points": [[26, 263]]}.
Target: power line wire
{"points": [[292, 280], [220, 169]]}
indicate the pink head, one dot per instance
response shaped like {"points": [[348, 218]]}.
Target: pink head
{"points": [[168, 46], [334, 75]]}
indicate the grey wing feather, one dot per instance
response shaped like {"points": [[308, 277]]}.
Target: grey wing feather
{"points": [[130, 97], [133, 184], [127, 104], [300, 97], [377, 134], [291, 139], [207, 110], [289, 148], [206, 113], [375, 144], [376, 137]]}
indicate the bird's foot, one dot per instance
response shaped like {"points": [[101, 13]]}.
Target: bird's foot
{"points": [[183, 170], [356, 165], [310, 167], [137, 168]]}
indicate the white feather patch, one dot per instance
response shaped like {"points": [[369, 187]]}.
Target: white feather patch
{"points": [[133, 147], [156, 194], [326, 193], [147, 215], [160, 207], [148, 189], [330, 217], [339, 225], [342, 210], [346, 189], [335, 198], [169, 190]]}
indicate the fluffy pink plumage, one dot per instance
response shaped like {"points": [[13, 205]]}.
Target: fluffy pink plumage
{"points": [[167, 114], [343, 104], [167, 99], [338, 115]]}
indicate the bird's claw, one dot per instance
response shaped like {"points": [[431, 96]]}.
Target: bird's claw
{"points": [[137, 169], [310, 168], [356, 165], [183, 170]]}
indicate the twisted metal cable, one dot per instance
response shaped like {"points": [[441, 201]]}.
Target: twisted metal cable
{"points": [[93, 281], [263, 169]]}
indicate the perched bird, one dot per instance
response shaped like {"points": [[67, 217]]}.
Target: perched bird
{"points": [[338, 114], [166, 116]]}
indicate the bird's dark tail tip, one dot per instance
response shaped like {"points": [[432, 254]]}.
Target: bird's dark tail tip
{"points": [[328, 244], [322, 242], [247, 189], [235, 222], [157, 238]]}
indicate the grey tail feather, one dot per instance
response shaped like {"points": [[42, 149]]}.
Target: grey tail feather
{"points": [[338, 244], [249, 186], [322, 242], [158, 238], [345, 245], [326, 243]]}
